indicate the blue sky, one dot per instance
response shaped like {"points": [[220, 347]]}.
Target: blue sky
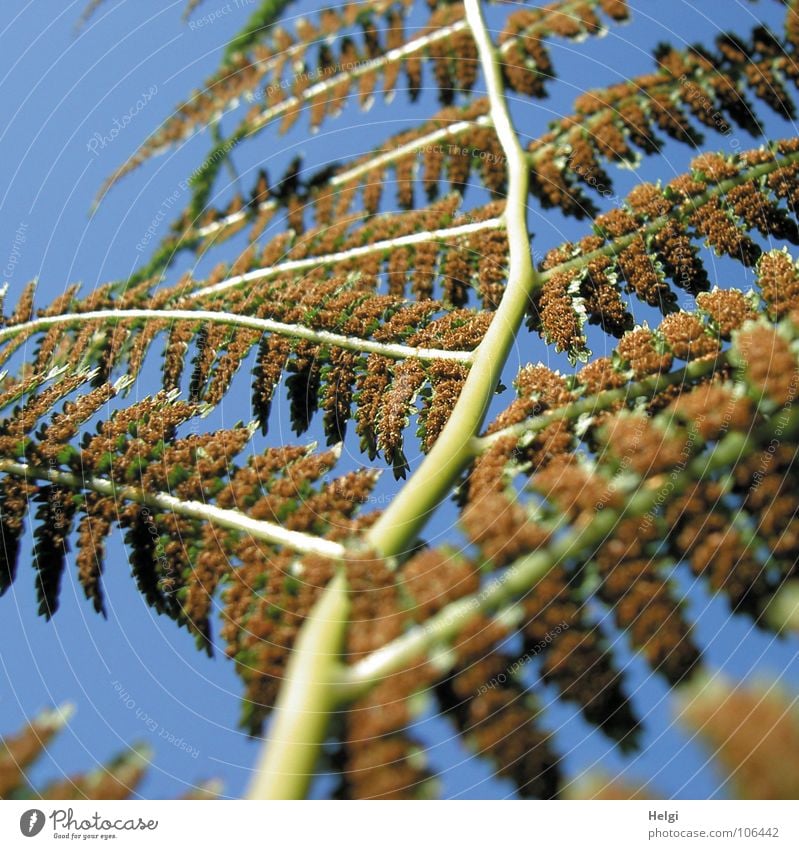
{"points": [[134, 676]]}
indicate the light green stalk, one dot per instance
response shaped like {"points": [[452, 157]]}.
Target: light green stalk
{"points": [[313, 684], [428, 486]]}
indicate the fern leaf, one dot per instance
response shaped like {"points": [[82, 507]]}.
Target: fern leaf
{"points": [[619, 123], [583, 507], [324, 85], [654, 238], [750, 731]]}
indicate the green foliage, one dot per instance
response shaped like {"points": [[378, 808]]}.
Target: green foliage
{"points": [[257, 27]]}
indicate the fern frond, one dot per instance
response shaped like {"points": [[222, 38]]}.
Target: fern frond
{"points": [[167, 492], [615, 124], [324, 85], [678, 471], [260, 56], [458, 142], [751, 732], [584, 505], [377, 241], [20, 751], [651, 242], [323, 368], [117, 779], [690, 87], [318, 317], [200, 227], [553, 181]]}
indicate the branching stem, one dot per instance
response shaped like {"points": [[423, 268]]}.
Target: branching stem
{"points": [[414, 46], [424, 491], [233, 519]]}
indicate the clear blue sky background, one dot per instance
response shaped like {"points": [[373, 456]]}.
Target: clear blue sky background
{"points": [[58, 89]]}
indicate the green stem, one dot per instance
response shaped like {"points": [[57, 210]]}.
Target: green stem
{"points": [[398, 526], [307, 699]]}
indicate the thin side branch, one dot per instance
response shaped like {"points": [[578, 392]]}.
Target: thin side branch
{"points": [[382, 246], [420, 43], [721, 188], [645, 388], [345, 176], [368, 67], [232, 519]]}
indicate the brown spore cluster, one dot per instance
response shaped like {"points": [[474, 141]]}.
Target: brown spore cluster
{"points": [[752, 732], [574, 657], [644, 603]]}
